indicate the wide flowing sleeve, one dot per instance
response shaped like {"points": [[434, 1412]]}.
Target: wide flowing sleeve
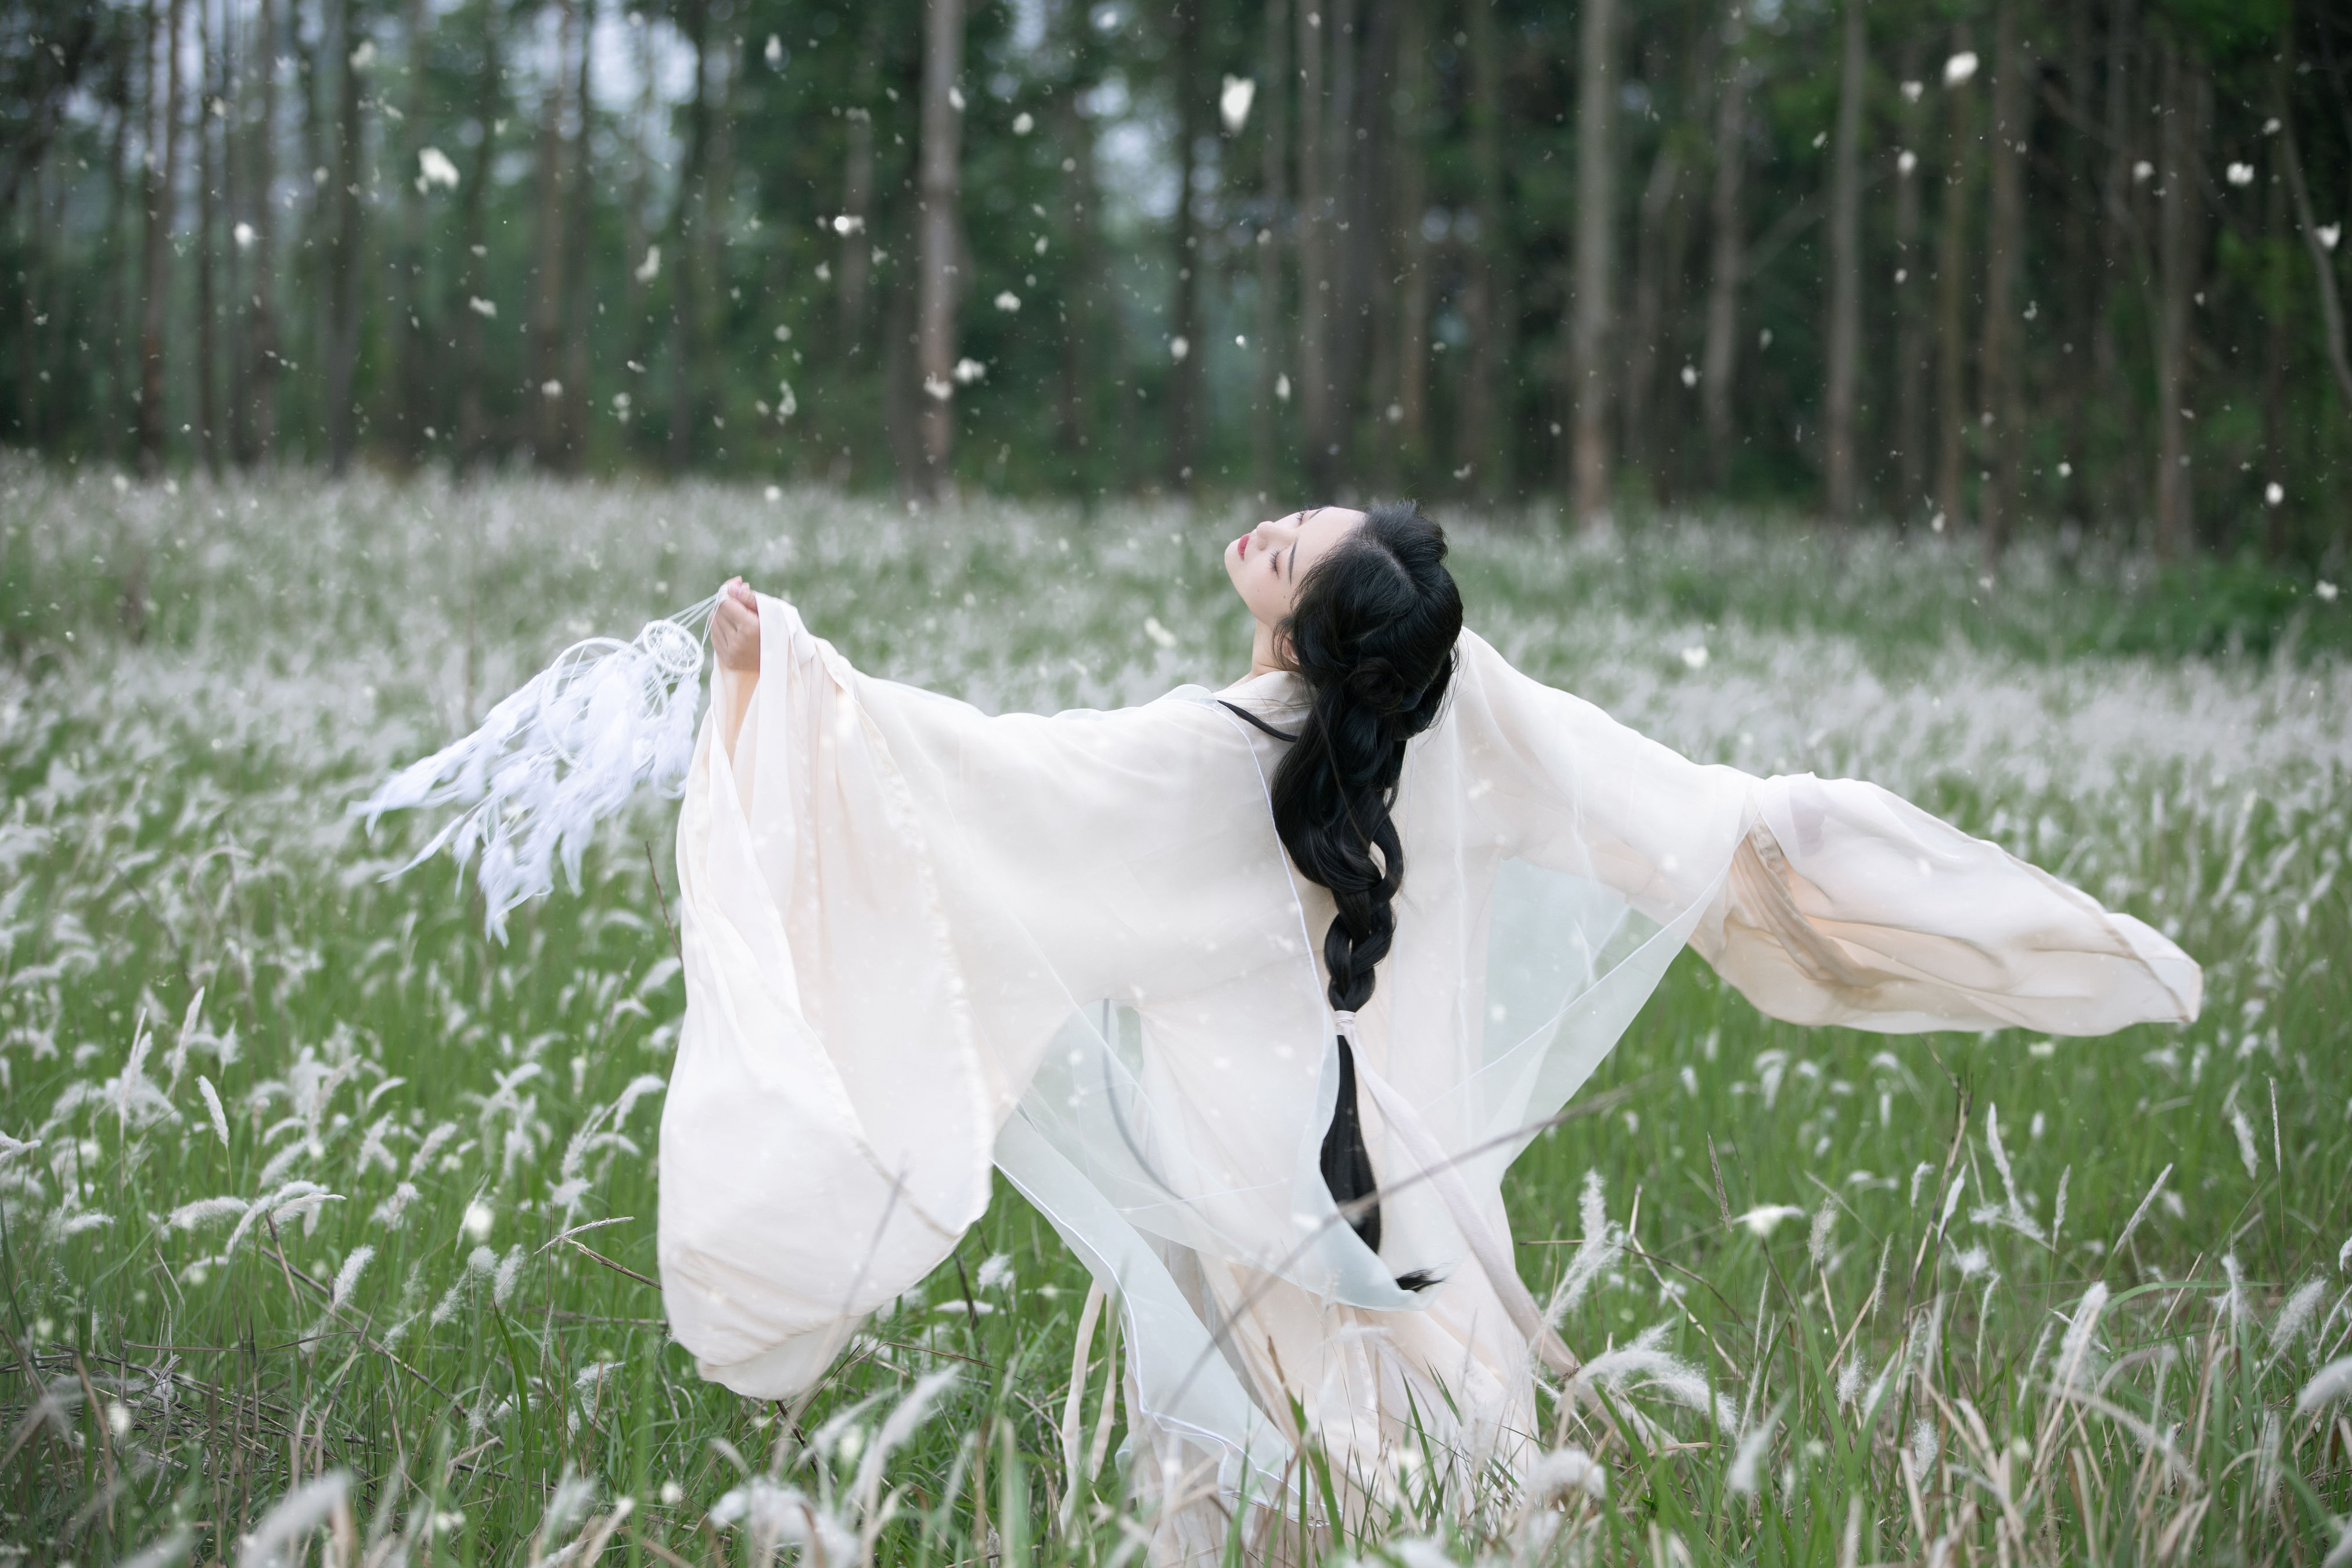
{"points": [[1822, 900], [890, 902]]}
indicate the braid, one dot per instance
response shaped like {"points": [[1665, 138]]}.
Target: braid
{"points": [[1372, 634]]}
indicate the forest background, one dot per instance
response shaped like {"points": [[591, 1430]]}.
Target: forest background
{"points": [[1967, 264]]}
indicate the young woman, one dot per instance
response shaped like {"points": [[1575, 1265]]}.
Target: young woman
{"points": [[1256, 994]]}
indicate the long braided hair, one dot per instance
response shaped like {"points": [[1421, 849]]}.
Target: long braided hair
{"points": [[1372, 634]]}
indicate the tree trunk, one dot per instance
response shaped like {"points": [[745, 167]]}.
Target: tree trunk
{"points": [[473, 422], [900, 394], [1349, 237], [2118, 233], [2177, 277], [120, 377], [1314, 252], [2080, 280], [1728, 223], [857, 208], [1377, 260], [210, 88], [235, 361], [308, 249], [1482, 436], [1910, 342], [689, 213], [713, 248], [1845, 268], [1185, 346], [548, 295], [2331, 305], [413, 335], [1951, 294], [579, 299], [1274, 152], [1596, 255], [342, 347], [1412, 165], [1642, 352], [163, 187], [32, 290], [1082, 303], [261, 332], [2278, 351], [2001, 419], [941, 244]]}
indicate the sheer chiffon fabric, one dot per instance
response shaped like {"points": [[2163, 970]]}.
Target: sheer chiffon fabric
{"points": [[920, 941]]}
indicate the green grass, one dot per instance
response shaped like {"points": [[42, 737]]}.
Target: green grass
{"points": [[193, 685]]}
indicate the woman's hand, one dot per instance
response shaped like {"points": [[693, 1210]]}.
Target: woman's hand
{"points": [[735, 628]]}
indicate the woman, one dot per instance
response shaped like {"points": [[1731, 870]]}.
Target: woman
{"points": [[1255, 995]]}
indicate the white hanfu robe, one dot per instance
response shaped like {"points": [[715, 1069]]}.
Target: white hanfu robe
{"points": [[920, 942]]}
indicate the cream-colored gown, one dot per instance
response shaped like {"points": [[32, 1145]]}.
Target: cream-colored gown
{"points": [[921, 942]]}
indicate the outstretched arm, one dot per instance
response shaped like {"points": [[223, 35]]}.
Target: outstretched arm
{"points": [[1827, 900]]}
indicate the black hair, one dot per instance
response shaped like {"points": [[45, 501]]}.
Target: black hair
{"points": [[1372, 634]]}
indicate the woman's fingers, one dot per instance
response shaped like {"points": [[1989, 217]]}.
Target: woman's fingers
{"points": [[735, 627]]}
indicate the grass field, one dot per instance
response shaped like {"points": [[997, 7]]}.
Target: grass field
{"points": [[280, 1280]]}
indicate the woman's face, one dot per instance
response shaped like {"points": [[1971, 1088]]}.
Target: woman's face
{"points": [[1269, 561]]}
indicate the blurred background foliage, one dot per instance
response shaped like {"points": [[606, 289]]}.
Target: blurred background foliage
{"points": [[1964, 265]]}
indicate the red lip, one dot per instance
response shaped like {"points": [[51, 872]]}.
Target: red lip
{"points": [[1244, 542]]}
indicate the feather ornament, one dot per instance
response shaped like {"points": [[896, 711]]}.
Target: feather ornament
{"points": [[556, 757]]}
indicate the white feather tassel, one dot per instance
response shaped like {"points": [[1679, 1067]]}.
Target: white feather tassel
{"points": [[557, 757]]}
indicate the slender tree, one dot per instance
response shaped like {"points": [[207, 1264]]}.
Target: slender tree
{"points": [[411, 331], [120, 377], [636, 207], [1952, 287], [2182, 108], [2278, 350], [2119, 234], [1411, 239], [689, 214], [261, 329], [211, 97], [942, 179], [1910, 340], [1376, 261], [235, 165], [1846, 266], [579, 292], [164, 113], [1481, 434], [354, 54], [2002, 419], [2077, 287], [712, 250], [857, 212], [32, 291], [1185, 311], [548, 292], [1727, 220], [1314, 255], [1273, 384], [1653, 255], [473, 301], [2331, 305], [1596, 255]]}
